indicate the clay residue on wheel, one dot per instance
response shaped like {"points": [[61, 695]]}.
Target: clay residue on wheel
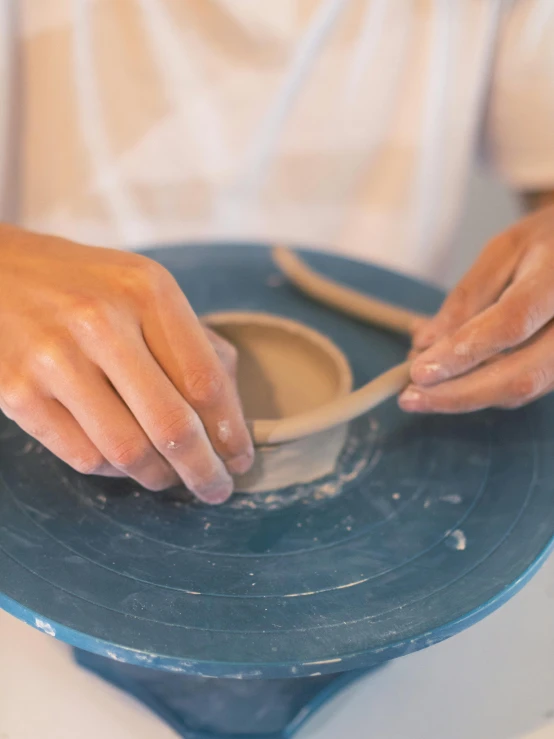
{"points": [[360, 455]]}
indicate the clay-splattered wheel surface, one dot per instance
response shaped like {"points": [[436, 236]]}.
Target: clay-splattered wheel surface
{"points": [[429, 524]]}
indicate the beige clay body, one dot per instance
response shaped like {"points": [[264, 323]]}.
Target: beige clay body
{"points": [[285, 371]]}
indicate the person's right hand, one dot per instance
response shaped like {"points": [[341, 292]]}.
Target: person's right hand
{"points": [[103, 361]]}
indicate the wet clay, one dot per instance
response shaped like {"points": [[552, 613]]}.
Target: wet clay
{"points": [[285, 370]]}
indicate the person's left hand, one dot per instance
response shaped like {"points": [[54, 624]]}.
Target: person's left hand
{"points": [[492, 342]]}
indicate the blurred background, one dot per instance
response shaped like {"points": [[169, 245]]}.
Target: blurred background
{"points": [[489, 208]]}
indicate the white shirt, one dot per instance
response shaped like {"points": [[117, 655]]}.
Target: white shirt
{"points": [[348, 125]]}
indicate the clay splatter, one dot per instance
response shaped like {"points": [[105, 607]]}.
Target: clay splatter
{"points": [[114, 656], [455, 499], [10, 433], [26, 449], [223, 431], [45, 627], [456, 540]]}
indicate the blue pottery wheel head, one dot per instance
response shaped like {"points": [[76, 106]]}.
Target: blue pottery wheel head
{"points": [[428, 524]]}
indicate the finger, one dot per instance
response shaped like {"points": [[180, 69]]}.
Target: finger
{"points": [[55, 428], [226, 352], [508, 381], [112, 428], [172, 426], [413, 354], [84, 391], [523, 309], [482, 285], [419, 327], [178, 342]]}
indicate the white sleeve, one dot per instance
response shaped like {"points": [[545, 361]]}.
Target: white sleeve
{"points": [[519, 121]]}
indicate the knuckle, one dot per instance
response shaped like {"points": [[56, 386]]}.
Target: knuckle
{"points": [[88, 464], [18, 395], [204, 386], [129, 454], [174, 428], [149, 278], [54, 354], [521, 325], [528, 386], [90, 315]]}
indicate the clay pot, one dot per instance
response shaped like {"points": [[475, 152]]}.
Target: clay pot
{"points": [[285, 370]]}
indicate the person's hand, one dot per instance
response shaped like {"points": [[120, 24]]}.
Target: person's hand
{"points": [[103, 361], [492, 342]]}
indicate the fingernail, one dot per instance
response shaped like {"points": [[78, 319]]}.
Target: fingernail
{"points": [[411, 399], [216, 494], [241, 464]]}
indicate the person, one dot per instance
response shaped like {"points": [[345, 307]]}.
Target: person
{"points": [[347, 125]]}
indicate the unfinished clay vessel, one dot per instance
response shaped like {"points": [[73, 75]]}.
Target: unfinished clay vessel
{"points": [[285, 370]]}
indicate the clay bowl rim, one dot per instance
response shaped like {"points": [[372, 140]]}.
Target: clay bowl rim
{"points": [[345, 378]]}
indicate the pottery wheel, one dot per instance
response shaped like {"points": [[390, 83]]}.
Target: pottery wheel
{"points": [[427, 525]]}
